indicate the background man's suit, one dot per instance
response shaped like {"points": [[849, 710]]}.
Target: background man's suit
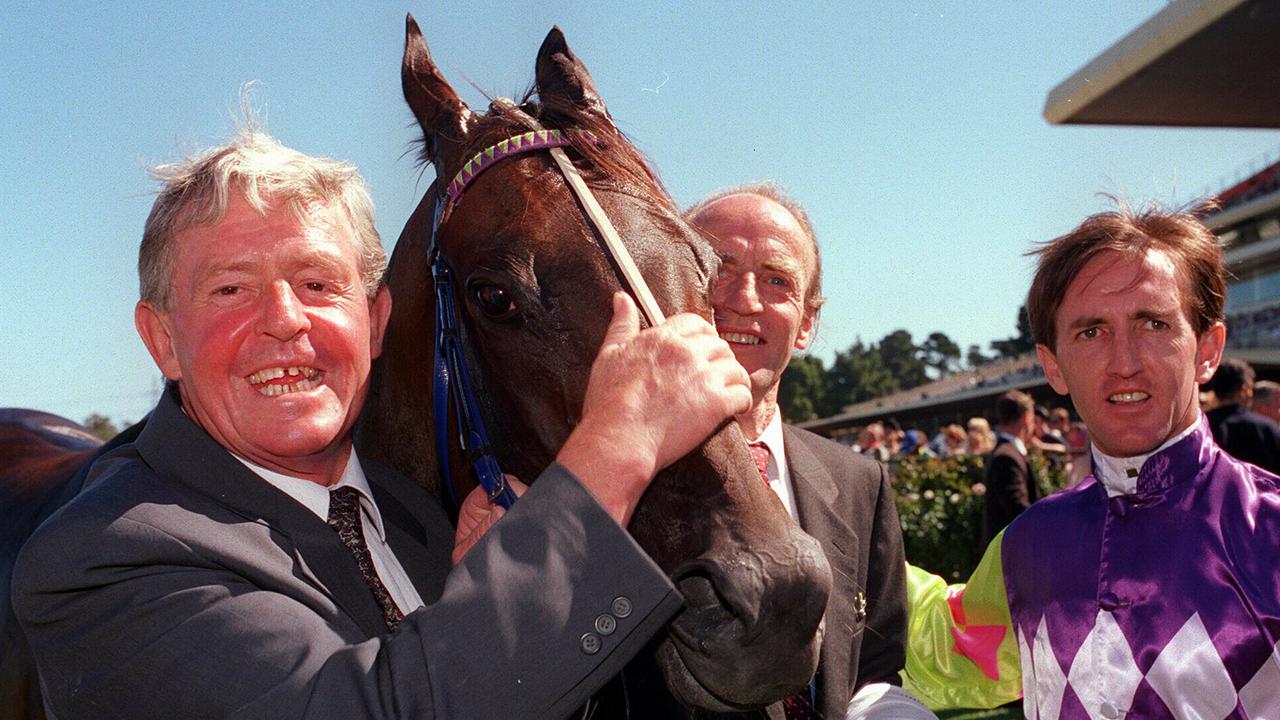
{"points": [[183, 583], [1246, 435], [845, 502], [1010, 488]]}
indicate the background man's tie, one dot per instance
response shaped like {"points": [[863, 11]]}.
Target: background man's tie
{"points": [[760, 453], [344, 518], [796, 707]]}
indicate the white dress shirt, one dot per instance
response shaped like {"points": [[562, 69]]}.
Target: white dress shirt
{"points": [[779, 473], [315, 498]]}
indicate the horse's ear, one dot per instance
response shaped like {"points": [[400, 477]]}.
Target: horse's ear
{"points": [[445, 119], [564, 85]]}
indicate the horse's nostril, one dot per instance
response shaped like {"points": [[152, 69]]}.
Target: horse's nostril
{"points": [[714, 597]]}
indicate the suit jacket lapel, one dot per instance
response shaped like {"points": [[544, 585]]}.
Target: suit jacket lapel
{"points": [[180, 451], [822, 511]]}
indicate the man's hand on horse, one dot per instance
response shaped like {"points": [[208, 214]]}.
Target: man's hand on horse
{"points": [[477, 515], [653, 396]]}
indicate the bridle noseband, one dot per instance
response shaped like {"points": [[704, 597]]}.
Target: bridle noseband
{"points": [[451, 378]]}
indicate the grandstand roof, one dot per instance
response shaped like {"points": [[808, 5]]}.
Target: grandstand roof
{"points": [[1198, 63], [1019, 373]]}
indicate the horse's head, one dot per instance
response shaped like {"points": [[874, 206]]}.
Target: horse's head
{"points": [[533, 289]]}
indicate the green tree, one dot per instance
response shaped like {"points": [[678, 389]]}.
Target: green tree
{"points": [[858, 374], [940, 353], [1018, 344], [802, 393], [101, 426], [975, 357], [902, 358]]}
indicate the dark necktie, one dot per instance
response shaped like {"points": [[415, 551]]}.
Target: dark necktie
{"points": [[344, 518], [796, 707]]}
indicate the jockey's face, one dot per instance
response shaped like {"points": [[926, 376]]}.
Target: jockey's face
{"points": [[766, 268], [1127, 353], [271, 335]]}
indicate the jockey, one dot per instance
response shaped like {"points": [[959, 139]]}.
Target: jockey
{"points": [[1149, 590]]}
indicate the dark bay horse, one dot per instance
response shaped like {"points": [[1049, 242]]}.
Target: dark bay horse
{"points": [[533, 288]]}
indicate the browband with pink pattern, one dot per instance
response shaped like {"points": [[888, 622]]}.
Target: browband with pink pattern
{"points": [[526, 142]]}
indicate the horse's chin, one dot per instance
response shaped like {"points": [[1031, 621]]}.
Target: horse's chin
{"points": [[723, 686]]}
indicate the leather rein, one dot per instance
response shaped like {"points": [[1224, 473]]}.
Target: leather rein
{"points": [[451, 379]]}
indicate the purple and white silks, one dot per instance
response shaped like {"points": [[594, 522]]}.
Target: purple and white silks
{"points": [[1163, 603]]}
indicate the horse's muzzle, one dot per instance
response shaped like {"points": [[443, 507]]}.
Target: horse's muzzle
{"points": [[751, 628]]}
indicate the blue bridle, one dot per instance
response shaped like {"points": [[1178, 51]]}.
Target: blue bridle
{"points": [[451, 378]]}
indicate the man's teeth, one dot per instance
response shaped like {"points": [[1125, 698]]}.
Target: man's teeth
{"points": [[308, 378], [740, 338], [1128, 397]]}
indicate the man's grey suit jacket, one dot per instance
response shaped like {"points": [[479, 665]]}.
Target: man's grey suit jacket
{"points": [[181, 585]]}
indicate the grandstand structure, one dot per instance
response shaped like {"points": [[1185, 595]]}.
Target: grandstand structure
{"points": [[954, 398], [1248, 224], [1196, 63]]}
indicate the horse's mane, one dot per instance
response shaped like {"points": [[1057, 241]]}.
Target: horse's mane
{"points": [[613, 156]]}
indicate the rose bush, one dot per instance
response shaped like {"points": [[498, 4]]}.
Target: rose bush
{"points": [[940, 507]]}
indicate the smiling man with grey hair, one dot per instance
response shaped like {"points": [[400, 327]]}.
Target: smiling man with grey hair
{"points": [[239, 559]]}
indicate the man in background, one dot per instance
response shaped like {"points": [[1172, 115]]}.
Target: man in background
{"points": [[766, 305], [1011, 488], [1266, 399], [1245, 435]]}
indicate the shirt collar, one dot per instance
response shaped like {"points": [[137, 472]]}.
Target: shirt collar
{"points": [[1017, 441], [1120, 475], [315, 497]]}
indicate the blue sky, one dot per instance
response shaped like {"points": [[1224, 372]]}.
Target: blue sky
{"points": [[912, 131]]}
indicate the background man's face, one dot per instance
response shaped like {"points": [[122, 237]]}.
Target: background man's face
{"points": [[766, 266], [271, 334], [1270, 407], [1127, 354]]}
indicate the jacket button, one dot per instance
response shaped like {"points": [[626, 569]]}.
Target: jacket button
{"points": [[590, 643], [1109, 601], [621, 607], [606, 624]]}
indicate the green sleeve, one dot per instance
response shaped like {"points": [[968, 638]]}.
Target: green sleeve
{"points": [[961, 650]]}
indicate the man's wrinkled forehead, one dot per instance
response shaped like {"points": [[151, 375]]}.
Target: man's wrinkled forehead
{"points": [[1140, 265], [728, 220]]}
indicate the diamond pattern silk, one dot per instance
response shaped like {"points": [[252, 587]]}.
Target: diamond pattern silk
{"points": [[1159, 603], [344, 518]]}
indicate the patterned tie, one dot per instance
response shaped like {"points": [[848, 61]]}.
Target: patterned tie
{"points": [[344, 518], [798, 707], [795, 707], [760, 453]]}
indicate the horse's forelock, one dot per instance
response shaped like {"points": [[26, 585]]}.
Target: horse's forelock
{"points": [[614, 156]]}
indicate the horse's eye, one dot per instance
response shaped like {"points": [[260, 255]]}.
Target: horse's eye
{"points": [[494, 301]]}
